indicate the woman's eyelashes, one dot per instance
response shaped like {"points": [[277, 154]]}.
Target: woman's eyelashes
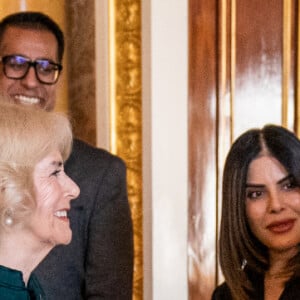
{"points": [[254, 194], [56, 172], [58, 168], [257, 192], [290, 184]]}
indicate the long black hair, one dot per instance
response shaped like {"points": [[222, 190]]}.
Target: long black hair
{"points": [[237, 243]]}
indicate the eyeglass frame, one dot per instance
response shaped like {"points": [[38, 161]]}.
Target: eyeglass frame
{"points": [[31, 63]]}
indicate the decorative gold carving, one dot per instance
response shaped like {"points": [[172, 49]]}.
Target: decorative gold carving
{"points": [[126, 113]]}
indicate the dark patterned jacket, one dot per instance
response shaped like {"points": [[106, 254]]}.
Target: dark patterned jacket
{"points": [[98, 263]]}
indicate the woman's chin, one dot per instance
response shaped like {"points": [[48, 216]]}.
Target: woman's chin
{"points": [[63, 239], [67, 239]]}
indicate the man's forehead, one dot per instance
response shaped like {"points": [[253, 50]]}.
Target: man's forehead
{"points": [[26, 29], [24, 38]]}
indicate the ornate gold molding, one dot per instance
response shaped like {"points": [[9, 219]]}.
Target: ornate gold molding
{"points": [[126, 112]]}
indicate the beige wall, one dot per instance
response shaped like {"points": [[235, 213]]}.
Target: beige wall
{"points": [[165, 149]]}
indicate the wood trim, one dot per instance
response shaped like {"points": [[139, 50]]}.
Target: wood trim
{"points": [[286, 59], [233, 67], [297, 88]]}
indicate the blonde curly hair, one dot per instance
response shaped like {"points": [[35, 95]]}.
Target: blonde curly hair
{"points": [[27, 135]]}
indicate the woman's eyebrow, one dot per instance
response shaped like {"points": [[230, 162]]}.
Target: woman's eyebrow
{"points": [[57, 163], [288, 177]]}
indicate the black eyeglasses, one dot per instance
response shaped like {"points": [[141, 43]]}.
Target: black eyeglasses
{"points": [[17, 67]]}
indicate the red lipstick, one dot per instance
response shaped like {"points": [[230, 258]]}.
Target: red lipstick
{"points": [[282, 226]]}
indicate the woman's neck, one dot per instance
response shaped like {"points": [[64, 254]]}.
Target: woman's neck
{"points": [[22, 252], [279, 260], [278, 273]]}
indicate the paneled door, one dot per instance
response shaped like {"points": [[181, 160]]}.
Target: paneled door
{"points": [[243, 72]]}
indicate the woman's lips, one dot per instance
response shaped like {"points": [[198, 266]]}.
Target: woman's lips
{"points": [[281, 226], [62, 215]]}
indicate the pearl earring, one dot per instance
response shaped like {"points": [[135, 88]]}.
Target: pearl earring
{"points": [[8, 221]]}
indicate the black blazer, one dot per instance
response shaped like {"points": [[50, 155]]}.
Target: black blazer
{"points": [[290, 292], [98, 263]]}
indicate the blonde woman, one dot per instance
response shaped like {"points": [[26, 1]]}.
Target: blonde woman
{"points": [[35, 195]]}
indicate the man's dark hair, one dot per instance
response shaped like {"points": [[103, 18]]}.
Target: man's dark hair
{"points": [[37, 21]]}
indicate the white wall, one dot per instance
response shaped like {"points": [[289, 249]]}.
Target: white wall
{"points": [[165, 42], [165, 182]]}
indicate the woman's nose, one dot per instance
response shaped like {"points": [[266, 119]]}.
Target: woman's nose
{"points": [[72, 189], [275, 203]]}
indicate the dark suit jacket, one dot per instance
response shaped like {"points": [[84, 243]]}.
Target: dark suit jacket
{"points": [[98, 263], [291, 290]]}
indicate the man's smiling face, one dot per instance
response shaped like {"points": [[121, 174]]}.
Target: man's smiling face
{"points": [[33, 44]]}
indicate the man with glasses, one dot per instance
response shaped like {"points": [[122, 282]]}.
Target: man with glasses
{"points": [[17, 67], [98, 264]]}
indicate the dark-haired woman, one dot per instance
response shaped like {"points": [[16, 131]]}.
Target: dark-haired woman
{"points": [[260, 224]]}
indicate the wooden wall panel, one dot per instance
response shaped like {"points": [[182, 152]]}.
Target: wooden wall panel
{"points": [[243, 70], [80, 40], [258, 63], [202, 148]]}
